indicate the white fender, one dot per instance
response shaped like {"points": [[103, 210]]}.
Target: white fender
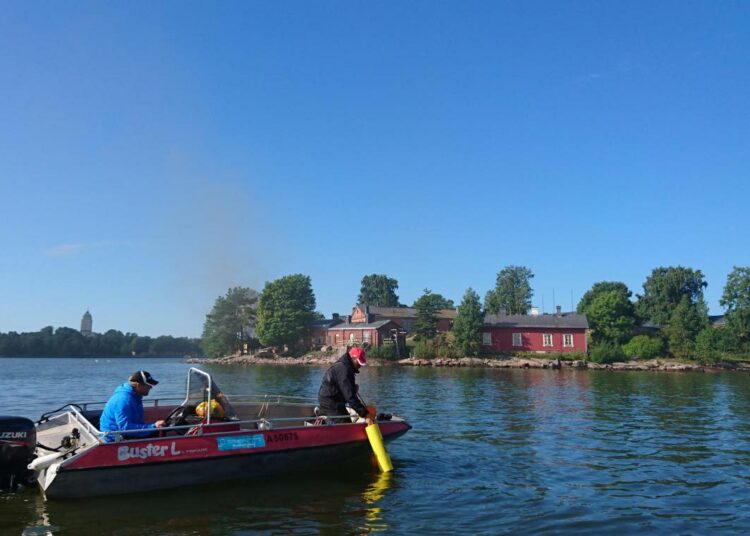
{"points": [[43, 462]]}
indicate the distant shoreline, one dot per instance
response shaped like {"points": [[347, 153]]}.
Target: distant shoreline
{"points": [[653, 365], [150, 356]]}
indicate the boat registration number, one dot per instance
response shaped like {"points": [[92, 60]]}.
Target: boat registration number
{"points": [[242, 442]]}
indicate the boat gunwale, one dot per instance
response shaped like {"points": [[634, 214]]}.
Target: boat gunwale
{"points": [[214, 428]]}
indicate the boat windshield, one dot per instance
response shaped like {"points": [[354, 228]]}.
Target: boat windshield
{"points": [[202, 389]]}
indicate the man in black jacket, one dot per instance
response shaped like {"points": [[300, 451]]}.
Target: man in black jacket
{"points": [[338, 387]]}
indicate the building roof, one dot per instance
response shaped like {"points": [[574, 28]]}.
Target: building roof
{"points": [[325, 323], [404, 312], [361, 325], [565, 320], [714, 320]]}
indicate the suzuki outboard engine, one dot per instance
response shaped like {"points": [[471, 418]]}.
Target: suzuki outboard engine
{"points": [[17, 444]]}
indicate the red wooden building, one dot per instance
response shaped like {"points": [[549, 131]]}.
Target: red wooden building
{"points": [[369, 333], [318, 334], [403, 316], [563, 332]]}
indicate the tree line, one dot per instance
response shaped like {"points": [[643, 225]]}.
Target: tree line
{"points": [[282, 312], [669, 318], [68, 342]]}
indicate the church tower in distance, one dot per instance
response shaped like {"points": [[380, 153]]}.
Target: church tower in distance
{"points": [[86, 324]]}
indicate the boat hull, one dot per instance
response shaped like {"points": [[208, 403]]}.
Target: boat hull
{"points": [[162, 463]]}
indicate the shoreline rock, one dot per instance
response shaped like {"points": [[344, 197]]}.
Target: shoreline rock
{"points": [[653, 365]]}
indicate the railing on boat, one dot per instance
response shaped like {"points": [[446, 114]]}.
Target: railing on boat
{"points": [[250, 425]]}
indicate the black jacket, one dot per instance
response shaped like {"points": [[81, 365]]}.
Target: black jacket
{"points": [[338, 387]]}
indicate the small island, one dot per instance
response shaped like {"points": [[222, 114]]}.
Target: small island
{"points": [[665, 328]]}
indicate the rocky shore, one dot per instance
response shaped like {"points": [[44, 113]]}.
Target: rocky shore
{"points": [[275, 360], [537, 363], [656, 365]]}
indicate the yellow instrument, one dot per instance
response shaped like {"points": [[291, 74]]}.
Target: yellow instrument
{"points": [[378, 447]]}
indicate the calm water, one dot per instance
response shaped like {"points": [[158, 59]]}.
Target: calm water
{"points": [[491, 452]]}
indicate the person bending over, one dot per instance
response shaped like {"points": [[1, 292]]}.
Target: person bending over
{"points": [[338, 387], [124, 409]]}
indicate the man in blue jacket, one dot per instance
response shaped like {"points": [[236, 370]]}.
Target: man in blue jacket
{"points": [[124, 410]]}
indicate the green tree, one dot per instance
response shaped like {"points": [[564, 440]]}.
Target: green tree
{"points": [[512, 292], [11, 344], [644, 347], [425, 323], [606, 353], [468, 324], [687, 320], [225, 324], [611, 317], [378, 290], [140, 345], [736, 301], [110, 342], [34, 344], [600, 288], [162, 345], [285, 311], [70, 342], [664, 290], [438, 301], [714, 344]]}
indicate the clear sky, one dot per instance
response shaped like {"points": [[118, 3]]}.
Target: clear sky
{"points": [[153, 154]]}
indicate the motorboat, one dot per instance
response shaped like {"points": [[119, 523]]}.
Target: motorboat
{"points": [[208, 436]]}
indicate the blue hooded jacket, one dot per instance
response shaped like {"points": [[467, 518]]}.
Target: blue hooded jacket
{"points": [[124, 411]]}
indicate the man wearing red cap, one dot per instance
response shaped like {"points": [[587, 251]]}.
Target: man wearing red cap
{"points": [[338, 387]]}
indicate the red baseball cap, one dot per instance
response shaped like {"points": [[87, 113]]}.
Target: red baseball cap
{"points": [[358, 354]]}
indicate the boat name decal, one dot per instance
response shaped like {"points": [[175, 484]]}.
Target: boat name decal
{"points": [[241, 442], [125, 453], [282, 436], [13, 435]]}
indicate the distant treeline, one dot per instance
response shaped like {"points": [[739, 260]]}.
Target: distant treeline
{"points": [[69, 342]]}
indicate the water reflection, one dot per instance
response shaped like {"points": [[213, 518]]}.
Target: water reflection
{"points": [[351, 499], [372, 497]]}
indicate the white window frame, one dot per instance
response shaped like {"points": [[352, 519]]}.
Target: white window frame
{"points": [[568, 338], [547, 340], [518, 336], [486, 338]]}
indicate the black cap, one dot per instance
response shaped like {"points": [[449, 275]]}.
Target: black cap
{"points": [[141, 376]]}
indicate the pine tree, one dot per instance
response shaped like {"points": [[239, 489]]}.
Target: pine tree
{"points": [[468, 324]]}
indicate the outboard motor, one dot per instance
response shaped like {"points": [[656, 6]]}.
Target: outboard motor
{"points": [[17, 444]]}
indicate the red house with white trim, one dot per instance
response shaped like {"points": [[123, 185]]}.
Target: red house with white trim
{"points": [[562, 332]]}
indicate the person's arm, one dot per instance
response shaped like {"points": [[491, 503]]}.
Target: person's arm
{"points": [[349, 390], [126, 419]]}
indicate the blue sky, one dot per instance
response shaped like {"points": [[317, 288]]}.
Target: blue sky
{"points": [[153, 155]]}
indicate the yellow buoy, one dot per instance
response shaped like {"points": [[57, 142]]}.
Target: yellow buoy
{"points": [[378, 447]]}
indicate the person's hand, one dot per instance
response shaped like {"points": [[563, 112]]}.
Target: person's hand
{"points": [[159, 424], [368, 420]]}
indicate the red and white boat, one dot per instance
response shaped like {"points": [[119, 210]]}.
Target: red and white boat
{"points": [[259, 435]]}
